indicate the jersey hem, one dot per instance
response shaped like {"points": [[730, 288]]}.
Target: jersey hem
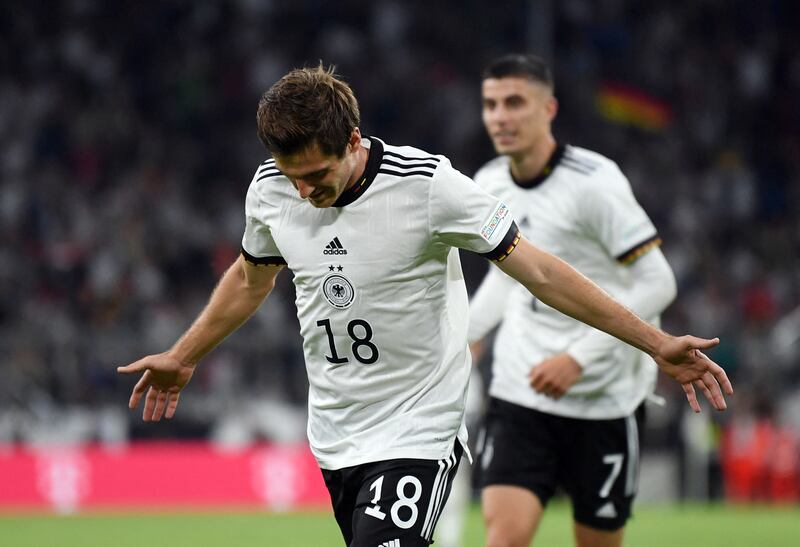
{"points": [[333, 464], [577, 413]]}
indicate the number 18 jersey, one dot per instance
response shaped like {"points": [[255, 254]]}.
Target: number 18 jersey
{"points": [[381, 299]]}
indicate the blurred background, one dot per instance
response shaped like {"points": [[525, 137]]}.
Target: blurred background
{"points": [[127, 142]]}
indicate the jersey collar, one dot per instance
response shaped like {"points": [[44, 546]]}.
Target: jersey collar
{"points": [[552, 163], [370, 171]]}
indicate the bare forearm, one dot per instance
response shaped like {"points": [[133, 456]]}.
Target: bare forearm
{"points": [[233, 301], [560, 286], [650, 290]]}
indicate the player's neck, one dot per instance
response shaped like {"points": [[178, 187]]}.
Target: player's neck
{"points": [[360, 166], [532, 162]]}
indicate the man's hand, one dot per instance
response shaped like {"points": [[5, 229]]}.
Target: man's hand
{"points": [[164, 377], [681, 358], [554, 376]]}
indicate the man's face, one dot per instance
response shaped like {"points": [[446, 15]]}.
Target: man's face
{"points": [[318, 177], [517, 113]]}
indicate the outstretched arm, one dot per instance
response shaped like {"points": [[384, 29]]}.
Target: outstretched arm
{"points": [[557, 284], [651, 289], [238, 294]]}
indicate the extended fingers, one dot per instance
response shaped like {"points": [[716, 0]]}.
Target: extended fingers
{"points": [[706, 375], [705, 389], [724, 382], [720, 375], [707, 383], [161, 405], [702, 343], [133, 368], [138, 391], [713, 392], [157, 403], [172, 404], [150, 404], [691, 396]]}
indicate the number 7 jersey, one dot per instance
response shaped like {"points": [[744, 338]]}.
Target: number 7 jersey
{"points": [[381, 299]]}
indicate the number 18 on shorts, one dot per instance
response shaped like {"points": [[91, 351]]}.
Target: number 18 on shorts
{"points": [[392, 503]]}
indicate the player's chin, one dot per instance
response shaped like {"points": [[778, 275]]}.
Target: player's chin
{"points": [[505, 148]]}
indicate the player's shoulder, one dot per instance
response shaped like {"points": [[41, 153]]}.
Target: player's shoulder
{"points": [[588, 167], [268, 183], [266, 170], [493, 170], [409, 161], [585, 161]]}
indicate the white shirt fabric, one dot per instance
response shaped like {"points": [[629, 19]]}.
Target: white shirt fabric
{"points": [[381, 299], [584, 211]]}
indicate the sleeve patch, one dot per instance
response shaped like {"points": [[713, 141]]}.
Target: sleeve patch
{"points": [[494, 221], [506, 246]]}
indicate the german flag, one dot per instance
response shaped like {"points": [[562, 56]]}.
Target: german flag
{"points": [[624, 104]]}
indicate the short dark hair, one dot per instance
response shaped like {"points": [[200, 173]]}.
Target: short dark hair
{"points": [[528, 66], [307, 105]]}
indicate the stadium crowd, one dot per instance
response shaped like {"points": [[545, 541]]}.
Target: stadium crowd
{"points": [[127, 141]]}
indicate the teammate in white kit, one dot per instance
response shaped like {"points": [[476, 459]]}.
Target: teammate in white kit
{"points": [[370, 231], [564, 396]]}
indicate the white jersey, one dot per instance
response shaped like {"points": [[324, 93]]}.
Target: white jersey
{"points": [[381, 299], [582, 210]]}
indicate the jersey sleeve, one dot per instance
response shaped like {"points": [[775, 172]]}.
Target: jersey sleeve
{"points": [[464, 215], [611, 214], [258, 246]]}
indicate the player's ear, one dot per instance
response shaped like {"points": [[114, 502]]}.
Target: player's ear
{"points": [[552, 108], [355, 139]]}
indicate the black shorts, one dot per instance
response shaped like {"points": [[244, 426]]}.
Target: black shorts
{"points": [[595, 461], [391, 503]]}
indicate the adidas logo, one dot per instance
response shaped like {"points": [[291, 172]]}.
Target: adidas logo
{"points": [[334, 248], [392, 543], [607, 511]]}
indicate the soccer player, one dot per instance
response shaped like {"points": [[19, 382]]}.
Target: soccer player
{"points": [[370, 232], [564, 396]]}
